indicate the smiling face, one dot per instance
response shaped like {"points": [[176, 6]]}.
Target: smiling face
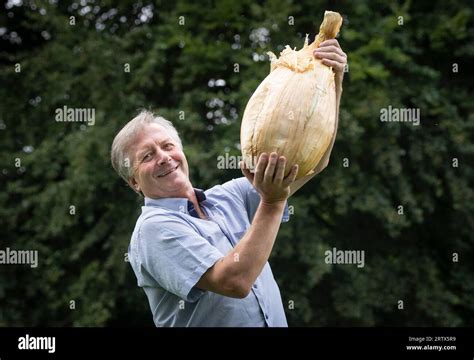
{"points": [[159, 165]]}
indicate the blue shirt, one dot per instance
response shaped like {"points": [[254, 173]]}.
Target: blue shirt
{"points": [[171, 248]]}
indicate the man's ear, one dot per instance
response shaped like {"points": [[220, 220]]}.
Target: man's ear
{"points": [[133, 184]]}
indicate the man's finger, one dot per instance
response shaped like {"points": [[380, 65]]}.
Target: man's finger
{"points": [[329, 43], [270, 170], [291, 176], [337, 66], [246, 172], [330, 49], [331, 56], [260, 168], [280, 171]]}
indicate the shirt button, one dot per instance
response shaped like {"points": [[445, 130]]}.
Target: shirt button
{"points": [[255, 286], [266, 316]]}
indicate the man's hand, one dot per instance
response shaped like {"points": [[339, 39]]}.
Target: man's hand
{"points": [[331, 54], [269, 178]]}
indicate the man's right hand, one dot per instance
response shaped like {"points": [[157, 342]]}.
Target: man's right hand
{"points": [[269, 179]]}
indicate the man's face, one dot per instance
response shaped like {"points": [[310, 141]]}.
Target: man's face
{"points": [[160, 167]]}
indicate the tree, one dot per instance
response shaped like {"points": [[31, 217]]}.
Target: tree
{"points": [[398, 191]]}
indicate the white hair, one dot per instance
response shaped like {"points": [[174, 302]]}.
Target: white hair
{"points": [[122, 160]]}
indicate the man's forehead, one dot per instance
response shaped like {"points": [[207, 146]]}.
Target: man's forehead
{"points": [[149, 135], [152, 133]]}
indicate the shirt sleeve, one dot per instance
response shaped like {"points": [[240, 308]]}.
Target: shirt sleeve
{"points": [[176, 256], [251, 198]]}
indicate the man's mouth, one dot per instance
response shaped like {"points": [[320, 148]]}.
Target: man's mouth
{"points": [[168, 171]]}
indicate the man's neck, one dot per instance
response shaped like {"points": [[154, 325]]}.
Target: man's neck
{"points": [[191, 196]]}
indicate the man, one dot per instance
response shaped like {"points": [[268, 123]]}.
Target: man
{"points": [[201, 256]]}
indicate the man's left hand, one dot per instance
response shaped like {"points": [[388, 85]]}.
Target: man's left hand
{"points": [[331, 54]]}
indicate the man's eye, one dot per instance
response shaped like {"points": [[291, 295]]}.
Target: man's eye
{"points": [[169, 146], [147, 156]]}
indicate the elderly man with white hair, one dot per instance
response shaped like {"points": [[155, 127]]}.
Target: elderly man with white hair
{"points": [[202, 256]]}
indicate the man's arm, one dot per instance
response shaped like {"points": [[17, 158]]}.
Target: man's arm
{"points": [[234, 274]]}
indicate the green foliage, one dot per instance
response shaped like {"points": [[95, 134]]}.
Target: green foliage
{"points": [[66, 202]]}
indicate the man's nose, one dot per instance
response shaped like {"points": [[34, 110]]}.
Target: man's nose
{"points": [[163, 157]]}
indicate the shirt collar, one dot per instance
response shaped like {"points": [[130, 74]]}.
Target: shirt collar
{"points": [[176, 204]]}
